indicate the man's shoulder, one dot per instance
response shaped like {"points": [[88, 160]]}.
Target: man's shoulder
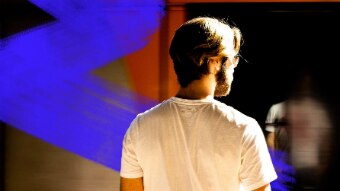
{"points": [[233, 114], [155, 110]]}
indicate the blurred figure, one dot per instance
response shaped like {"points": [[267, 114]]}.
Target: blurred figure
{"points": [[299, 135], [278, 142], [276, 127]]}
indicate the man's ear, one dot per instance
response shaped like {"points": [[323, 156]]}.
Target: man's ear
{"points": [[214, 65]]}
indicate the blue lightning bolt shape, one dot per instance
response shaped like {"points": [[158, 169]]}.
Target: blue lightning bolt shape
{"points": [[47, 89]]}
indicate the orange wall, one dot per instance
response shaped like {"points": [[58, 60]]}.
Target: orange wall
{"points": [[151, 68], [143, 68]]}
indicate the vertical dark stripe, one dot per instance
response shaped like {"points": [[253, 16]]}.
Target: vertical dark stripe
{"points": [[2, 156]]}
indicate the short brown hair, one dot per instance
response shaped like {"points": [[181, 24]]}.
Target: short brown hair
{"points": [[195, 42]]}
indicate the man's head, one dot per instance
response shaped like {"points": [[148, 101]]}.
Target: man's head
{"points": [[200, 40]]}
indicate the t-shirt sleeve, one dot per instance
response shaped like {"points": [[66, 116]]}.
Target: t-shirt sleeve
{"points": [[130, 167], [256, 166]]}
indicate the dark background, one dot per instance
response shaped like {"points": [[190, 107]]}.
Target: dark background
{"points": [[281, 40]]}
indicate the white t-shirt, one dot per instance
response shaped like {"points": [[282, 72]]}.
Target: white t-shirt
{"points": [[196, 145]]}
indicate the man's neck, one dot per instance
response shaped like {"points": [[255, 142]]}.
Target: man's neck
{"points": [[197, 90]]}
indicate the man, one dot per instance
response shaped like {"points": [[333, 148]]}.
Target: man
{"points": [[192, 142]]}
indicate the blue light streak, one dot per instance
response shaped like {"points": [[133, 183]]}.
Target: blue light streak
{"points": [[46, 86], [286, 173]]}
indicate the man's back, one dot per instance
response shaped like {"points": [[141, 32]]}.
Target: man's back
{"points": [[196, 145]]}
